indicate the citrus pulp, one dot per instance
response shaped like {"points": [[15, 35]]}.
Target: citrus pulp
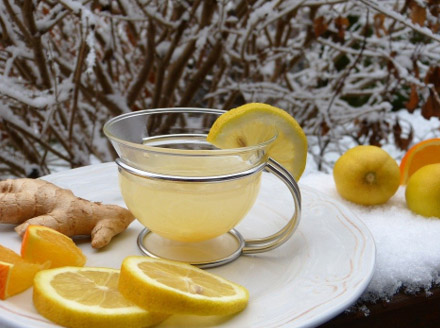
{"points": [[254, 123], [42, 244], [16, 274], [421, 154], [176, 287], [83, 297]]}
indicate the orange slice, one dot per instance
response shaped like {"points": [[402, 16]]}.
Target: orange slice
{"points": [[16, 274], [8, 255], [421, 154], [41, 244]]}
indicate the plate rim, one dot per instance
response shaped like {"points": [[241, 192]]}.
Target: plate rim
{"points": [[322, 317]]}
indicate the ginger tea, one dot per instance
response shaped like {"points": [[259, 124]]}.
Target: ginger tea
{"points": [[189, 211]]}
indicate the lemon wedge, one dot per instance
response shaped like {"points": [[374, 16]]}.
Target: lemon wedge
{"points": [[254, 123], [176, 287], [87, 297]]}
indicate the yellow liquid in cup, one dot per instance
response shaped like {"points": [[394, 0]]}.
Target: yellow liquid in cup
{"points": [[189, 211]]}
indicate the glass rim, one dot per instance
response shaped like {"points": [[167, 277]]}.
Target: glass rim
{"points": [[175, 151]]}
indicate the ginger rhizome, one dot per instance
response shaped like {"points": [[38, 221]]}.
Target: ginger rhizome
{"points": [[38, 202]]}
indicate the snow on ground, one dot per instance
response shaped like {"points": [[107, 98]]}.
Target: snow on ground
{"points": [[407, 245]]}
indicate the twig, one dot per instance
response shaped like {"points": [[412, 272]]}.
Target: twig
{"points": [[35, 42], [144, 72], [200, 75], [403, 20], [340, 82], [163, 63], [37, 139], [18, 22], [12, 165], [175, 72], [76, 81], [102, 78]]}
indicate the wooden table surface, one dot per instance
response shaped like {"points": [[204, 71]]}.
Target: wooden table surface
{"points": [[402, 311]]}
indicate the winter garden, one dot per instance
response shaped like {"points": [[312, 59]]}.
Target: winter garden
{"points": [[350, 72]]}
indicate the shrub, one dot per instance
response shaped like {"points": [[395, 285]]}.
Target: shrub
{"points": [[342, 68]]}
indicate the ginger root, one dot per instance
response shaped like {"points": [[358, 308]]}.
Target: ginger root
{"points": [[38, 202]]}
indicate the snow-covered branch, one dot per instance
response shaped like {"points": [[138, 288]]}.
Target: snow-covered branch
{"points": [[341, 67]]}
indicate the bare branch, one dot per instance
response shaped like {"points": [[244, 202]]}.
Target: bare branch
{"points": [[401, 19], [35, 42], [144, 72], [312, 58], [200, 75]]}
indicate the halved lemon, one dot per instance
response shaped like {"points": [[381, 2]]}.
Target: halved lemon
{"points": [[254, 123], [175, 287], [87, 297]]}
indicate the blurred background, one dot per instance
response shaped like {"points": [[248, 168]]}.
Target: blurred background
{"points": [[350, 72]]}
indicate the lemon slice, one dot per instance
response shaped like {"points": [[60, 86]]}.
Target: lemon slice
{"points": [[254, 123], [87, 297], [175, 287]]}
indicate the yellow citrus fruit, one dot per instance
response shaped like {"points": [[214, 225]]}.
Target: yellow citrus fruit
{"points": [[83, 297], [41, 244], [16, 274], [254, 123], [175, 287], [421, 154], [366, 175], [423, 191]]}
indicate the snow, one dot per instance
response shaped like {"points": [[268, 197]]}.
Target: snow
{"points": [[10, 88], [91, 56], [407, 244], [308, 90], [391, 13]]}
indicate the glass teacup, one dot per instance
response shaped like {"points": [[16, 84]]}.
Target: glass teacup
{"points": [[184, 189]]}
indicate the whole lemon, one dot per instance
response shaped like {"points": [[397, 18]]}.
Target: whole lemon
{"points": [[423, 191], [366, 175]]}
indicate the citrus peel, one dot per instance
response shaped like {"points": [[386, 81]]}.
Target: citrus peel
{"points": [[421, 154], [366, 175], [422, 192], [81, 297], [180, 288], [16, 274], [255, 123], [41, 244]]}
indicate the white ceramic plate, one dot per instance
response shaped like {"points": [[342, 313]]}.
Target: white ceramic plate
{"points": [[317, 274]]}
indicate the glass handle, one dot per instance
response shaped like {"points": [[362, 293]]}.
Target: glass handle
{"points": [[265, 244]]}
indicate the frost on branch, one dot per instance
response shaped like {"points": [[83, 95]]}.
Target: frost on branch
{"points": [[342, 68]]}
